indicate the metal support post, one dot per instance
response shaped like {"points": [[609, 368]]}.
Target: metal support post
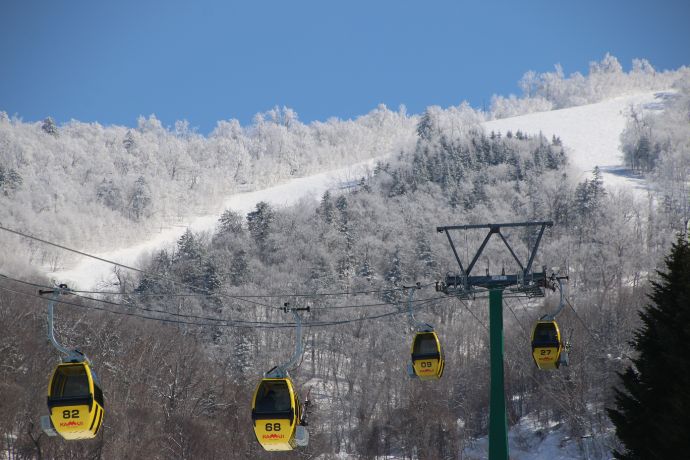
{"points": [[525, 282], [498, 424]]}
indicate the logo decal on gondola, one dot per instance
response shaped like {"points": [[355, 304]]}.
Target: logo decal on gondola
{"points": [[71, 423], [273, 436]]}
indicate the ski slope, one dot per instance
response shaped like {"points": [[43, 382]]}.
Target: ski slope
{"points": [[590, 134], [90, 273]]}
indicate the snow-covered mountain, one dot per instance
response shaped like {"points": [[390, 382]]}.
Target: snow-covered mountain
{"points": [[590, 134]]}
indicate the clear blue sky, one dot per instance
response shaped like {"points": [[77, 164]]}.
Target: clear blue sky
{"points": [[203, 60]]}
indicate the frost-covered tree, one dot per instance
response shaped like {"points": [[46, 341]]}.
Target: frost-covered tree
{"points": [[588, 197], [189, 247], [109, 194], [230, 223], [428, 126], [239, 268], [139, 199], [657, 144], [10, 181], [259, 223], [49, 127], [325, 209], [128, 142], [606, 78]]}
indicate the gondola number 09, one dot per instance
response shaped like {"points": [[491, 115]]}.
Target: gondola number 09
{"points": [[426, 364], [70, 413], [272, 427]]}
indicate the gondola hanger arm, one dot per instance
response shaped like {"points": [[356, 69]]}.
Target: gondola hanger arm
{"points": [[561, 303], [414, 323], [71, 356], [281, 371]]}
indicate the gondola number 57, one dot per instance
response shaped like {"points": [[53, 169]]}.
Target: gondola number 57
{"points": [[272, 427]]}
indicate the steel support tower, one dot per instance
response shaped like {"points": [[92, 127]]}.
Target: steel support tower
{"points": [[465, 285]]}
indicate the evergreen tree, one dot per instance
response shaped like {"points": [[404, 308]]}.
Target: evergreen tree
{"points": [[211, 278], [140, 199], [643, 154], [108, 193], [242, 355], [189, 247], [589, 199], [325, 209], [49, 127], [366, 270], [259, 223], [128, 142], [10, 181], [394, 276], [651, 415], [428, 127], [239, 268], [230, 223], [424, 254]]}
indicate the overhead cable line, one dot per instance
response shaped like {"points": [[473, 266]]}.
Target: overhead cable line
{"points": [[204, 292], [228, 323], [127, 267], [183, 315], [462, 302], [516, 318], [247, 296], [583, 322], [211, 321], [240, 297]]}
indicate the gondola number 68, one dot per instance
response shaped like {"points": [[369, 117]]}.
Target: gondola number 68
{"points": [[272, 427]]}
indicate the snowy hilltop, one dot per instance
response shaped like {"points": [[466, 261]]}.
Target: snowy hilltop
{"points": [[591, 134]]}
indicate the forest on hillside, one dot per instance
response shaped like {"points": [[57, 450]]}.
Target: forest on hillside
{"points": [[183, 389], [102, 187]]}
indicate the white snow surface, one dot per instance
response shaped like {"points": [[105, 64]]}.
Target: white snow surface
{"points": [[590, 134], [529, 440]]}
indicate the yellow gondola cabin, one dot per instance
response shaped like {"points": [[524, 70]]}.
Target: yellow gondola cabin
{"points": [[427, 356], [75, 401], [547, 344], [277, 414]]}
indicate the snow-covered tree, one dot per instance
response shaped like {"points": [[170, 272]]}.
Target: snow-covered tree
{"points": [[139, 200], [259, 223], [49, 127]]}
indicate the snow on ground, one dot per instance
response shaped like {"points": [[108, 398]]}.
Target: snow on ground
{"points": [[89, 273], [590, 133], [529, 441]]}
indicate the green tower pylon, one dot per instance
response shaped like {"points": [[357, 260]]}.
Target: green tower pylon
{"points": [[465, 285], [498, 422]]}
